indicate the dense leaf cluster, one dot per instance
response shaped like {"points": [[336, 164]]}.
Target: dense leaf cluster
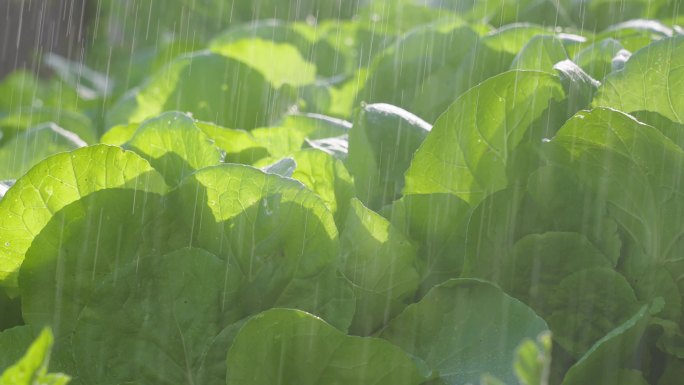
{"points": [[330, 192]]}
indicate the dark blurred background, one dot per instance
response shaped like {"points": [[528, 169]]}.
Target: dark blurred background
{"points": [[114, 29], [31, 28], [125, 36]]}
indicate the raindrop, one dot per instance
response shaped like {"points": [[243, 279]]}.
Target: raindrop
{"points": [[7, 244], [267, 210]]}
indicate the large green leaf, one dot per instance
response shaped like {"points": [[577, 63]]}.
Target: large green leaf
{"points": [[464, 329], [552, 201], [295, 131], [382, 142], [261, 53], [398, 17], [602, 363], [238, 146], [586, 305], [28, 148], [293, 347], [211, 87], [174, 146], [317, 126], [279, 236], [651, 81], [381, 265], [328, 178], [437, 223], [82, 243], [538, 262], [637, 34], [636, 169], [472, 145], [541, 53], [57, 182], [601, 58], [26, 118], [315, 54], [401, 74], [152, 321]]}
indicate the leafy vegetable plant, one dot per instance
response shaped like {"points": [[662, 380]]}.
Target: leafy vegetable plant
{"points": [[395, 192]]}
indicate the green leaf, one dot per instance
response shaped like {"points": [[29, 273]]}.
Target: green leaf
{"points": [[20, 88], [674, 370], [211, 87], [538, 262], [602, 363], [276, 232], [328, 178], [13, 343], [652, 280], [26, 118], [674, 131], [81, 244], [587, 305], [284, 167], [561, 204], [402, 74], [437, 223], [260, 54], [296, 130], [153, 320], [491, 55], [174, 146], [31, 369], [10, 312], [473, 143], [238, 146], [637, 34], [120, 134], [579, 86], [541, 53], [289, 346], [57, 182], [279, 141], [88, 83], [381, 265], [315, 54], [317, 126], [381, 145], [25, 150], [633, 167], [532, 360], [464, 329], [401, 16], [597, 59], [651, 81], [337, 147], [514, 37], [551, 202]]}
